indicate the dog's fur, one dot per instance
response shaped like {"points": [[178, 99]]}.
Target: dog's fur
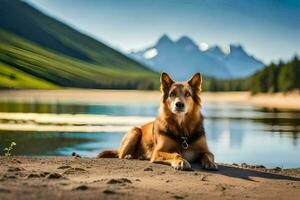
{"points": [[161, 141]]}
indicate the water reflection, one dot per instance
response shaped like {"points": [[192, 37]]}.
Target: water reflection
{"points": [[70, 108], [57, 143], [38, 107], [34, 143], [235, 133]]}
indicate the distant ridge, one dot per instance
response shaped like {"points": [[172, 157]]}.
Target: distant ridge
{"points": [[183, 57]]}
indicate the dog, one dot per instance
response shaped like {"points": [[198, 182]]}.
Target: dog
{"points": [[176, 137]]}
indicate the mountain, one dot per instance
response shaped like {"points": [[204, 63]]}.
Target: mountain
{"points": [[241, 64], [48, 54], [183, 57]]}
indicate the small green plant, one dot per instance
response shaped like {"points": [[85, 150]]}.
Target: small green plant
{"points": [[8, 150]]}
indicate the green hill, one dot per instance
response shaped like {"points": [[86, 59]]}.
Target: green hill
{"points": [[37, 51]]}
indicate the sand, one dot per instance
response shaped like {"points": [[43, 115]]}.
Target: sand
{"points": [[289, 101], [89, 178], [277, 100]]}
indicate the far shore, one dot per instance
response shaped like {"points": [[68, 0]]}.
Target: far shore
{"points": [[289, 101]]}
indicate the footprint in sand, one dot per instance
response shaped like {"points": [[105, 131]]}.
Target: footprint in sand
{"points": [[82, 187], [9, 176], [14, 169], [43, 174], [148, 169], [178, 197], [75, 170], [55, 176], [223, 187], [122, 181], [64, 167], [204, 178], [34, 175], [107, 191], [38, 175], [4, 190]]}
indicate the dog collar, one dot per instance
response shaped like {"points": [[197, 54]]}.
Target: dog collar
{"points": [[184, 143], [183, 140]]}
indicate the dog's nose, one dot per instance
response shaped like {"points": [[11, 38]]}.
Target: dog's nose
{"points": [[179, 105]]}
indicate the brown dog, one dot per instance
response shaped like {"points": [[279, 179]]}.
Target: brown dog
{"points": [[176, 137]]}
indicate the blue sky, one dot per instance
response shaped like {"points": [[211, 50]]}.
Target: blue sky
{"points": [[268, 29]]}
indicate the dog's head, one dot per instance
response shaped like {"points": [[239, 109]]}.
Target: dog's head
{"points": [[180, 97]]}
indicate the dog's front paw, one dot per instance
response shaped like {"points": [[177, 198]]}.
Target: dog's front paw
{"points": [[128, 156], [181, 164], [210, 166], [207, 162]]}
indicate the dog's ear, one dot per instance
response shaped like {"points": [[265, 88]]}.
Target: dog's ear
{"points": [[165, 84], [196, 81], [165, 80]]}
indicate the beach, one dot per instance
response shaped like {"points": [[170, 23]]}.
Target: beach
{"points": [[90, 178]]}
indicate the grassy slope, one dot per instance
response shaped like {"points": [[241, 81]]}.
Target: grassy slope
{"points": [[14, 78], [52, 51], [67, 71]]}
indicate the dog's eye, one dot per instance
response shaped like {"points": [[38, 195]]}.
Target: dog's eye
{"points": [[187, 94], [172, 95]]}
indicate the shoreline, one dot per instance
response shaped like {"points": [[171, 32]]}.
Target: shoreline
{"points": [[269, 101], [89, 178], [93, 96]]}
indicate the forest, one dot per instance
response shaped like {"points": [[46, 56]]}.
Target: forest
{"points": [[280, 77]]}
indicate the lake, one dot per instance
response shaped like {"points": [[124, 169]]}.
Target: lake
{"points": [[235, 133]]}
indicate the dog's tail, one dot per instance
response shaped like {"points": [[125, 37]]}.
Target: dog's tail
{"points": [[108, 154]]}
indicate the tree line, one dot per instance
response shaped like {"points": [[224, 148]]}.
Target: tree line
{"points": [[280, 77]]}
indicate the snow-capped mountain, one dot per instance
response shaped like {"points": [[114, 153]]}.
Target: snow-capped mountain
{"points": [[183, 57]]}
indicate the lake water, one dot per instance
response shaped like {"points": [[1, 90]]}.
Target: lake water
{"points": [[235, 133]]}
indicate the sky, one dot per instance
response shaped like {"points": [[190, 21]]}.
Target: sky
{"points": [[267, 29]]}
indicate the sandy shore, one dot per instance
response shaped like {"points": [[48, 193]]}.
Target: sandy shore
{"points": [[271, 101], [88, 178], [278, 100]]}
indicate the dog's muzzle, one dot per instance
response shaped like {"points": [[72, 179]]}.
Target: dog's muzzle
{"points": [[179, 106]]}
